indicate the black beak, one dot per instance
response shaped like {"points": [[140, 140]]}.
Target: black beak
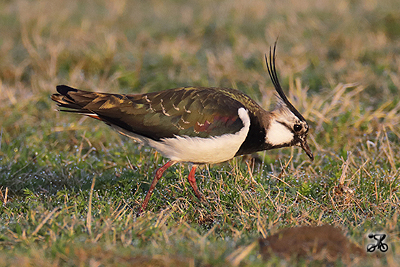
{"points": [[303, 144]]}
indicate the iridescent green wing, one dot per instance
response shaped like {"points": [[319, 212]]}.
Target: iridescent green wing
{"points": [[190, 111]]}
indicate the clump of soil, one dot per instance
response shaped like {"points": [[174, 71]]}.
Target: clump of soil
{"points": [[322, 243]]}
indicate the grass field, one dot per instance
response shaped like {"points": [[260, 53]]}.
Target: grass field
{"points": [[70, 186]]}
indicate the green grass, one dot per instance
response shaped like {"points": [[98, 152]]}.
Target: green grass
{"points": [[338, 61]]}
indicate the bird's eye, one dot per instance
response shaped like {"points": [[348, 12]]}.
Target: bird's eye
{"points": [[297, 127]]}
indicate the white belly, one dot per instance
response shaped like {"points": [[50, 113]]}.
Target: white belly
{"points": [[204, 150], [197, 149]]}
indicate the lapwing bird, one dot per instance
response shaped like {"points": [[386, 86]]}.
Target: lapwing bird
{"points": [[196, 125]]}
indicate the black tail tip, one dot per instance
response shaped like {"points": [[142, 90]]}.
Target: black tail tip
{"points": [[64, 89]]}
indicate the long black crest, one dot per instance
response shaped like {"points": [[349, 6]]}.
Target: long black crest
{"points": [[271, 66]]}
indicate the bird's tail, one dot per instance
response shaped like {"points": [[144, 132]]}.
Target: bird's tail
{"points": [[74, 100]]}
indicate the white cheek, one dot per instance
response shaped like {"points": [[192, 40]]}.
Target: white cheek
{"points": [[278, 134]]}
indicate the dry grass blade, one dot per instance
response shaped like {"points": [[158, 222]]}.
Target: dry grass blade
{"points": [[236, 257], [284, 168], [4, 197], [389, 152], [345, 168], [89, 213], [40, 225]]}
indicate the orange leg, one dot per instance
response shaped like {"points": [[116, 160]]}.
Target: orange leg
{"points": [[192, 182], [157, 177]]}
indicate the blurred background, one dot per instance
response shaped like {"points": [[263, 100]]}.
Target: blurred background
{"points": [[138, 46]]}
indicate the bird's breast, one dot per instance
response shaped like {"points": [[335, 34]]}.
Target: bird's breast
{"points": [[211, 149]]}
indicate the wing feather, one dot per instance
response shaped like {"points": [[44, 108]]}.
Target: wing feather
{"points": [[186, 111]]}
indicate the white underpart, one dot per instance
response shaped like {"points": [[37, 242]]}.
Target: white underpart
{"points": [[197, 149], [278, 134]]}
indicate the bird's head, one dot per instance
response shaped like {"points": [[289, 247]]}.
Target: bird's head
{"points": [[287, 126]]}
